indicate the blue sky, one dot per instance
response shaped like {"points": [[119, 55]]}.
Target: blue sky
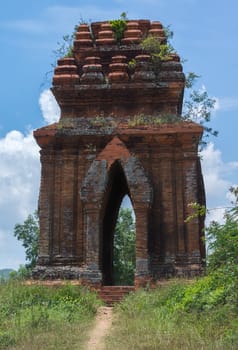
{"points": [[205, 33]]}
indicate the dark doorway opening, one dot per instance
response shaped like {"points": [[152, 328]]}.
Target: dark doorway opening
{"points": [[117, 189]]}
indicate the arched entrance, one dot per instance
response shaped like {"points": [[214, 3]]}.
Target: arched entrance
{"points": [[117, 189], [108, 180]]}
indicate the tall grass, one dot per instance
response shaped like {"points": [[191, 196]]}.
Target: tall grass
{"points": [[40, 317], [166, 318]]}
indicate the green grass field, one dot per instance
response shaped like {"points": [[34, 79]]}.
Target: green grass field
{"points": [[40, 317], [173, 317], [198, 315]]}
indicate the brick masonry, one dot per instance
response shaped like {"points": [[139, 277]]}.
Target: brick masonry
{"points": [[115, 138]]}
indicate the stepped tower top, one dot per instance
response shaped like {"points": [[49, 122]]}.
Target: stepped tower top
{"points": [[108, 77]]}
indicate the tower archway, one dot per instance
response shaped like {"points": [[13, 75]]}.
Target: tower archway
{"points": [[117, 189], [120, 175]]}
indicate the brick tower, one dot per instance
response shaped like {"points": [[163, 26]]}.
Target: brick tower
{"points": [[120, 133]]}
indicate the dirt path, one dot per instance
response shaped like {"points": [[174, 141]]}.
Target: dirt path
{"points": [[102, 325]]}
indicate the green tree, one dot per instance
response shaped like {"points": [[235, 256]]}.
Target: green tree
{"points": [[222, 260], [124, 248], [222, 247], [223, 240], [198, 107], [28, 233]]}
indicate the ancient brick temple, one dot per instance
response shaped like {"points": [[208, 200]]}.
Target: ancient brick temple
{"points": [[120, 133]]}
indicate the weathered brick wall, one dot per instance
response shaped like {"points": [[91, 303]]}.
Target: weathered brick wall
{"points": [[113, 139], [175, 244]]}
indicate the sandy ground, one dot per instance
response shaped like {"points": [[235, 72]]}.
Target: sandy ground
{"points": [[102, 325]]}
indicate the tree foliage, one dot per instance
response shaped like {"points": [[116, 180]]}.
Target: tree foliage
{"points": [[124, 248], [222, 247], [223, 241], [28, 233], [222, 259], [198, 107]]}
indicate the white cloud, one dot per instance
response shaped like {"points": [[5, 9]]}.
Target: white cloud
{"points": [[231, 196], [213, 171], [49, 107], [12, 253], [228, 103], [19, 182], [217, 177], [19, 187]]}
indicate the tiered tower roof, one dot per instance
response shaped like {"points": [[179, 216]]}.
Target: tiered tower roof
{"points": [[117, 79], [109, 87]]}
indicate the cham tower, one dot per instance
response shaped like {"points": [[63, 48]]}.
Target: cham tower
{"points": [[120, 133]]}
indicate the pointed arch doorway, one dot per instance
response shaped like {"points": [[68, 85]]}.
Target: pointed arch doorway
{"points": [[116, 256], [114, 174]]}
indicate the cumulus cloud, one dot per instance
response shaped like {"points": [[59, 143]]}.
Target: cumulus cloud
{"points": [[19, 186], [19, 172], [19, 182], [49, 107], [213, 169], [218, 180]]}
